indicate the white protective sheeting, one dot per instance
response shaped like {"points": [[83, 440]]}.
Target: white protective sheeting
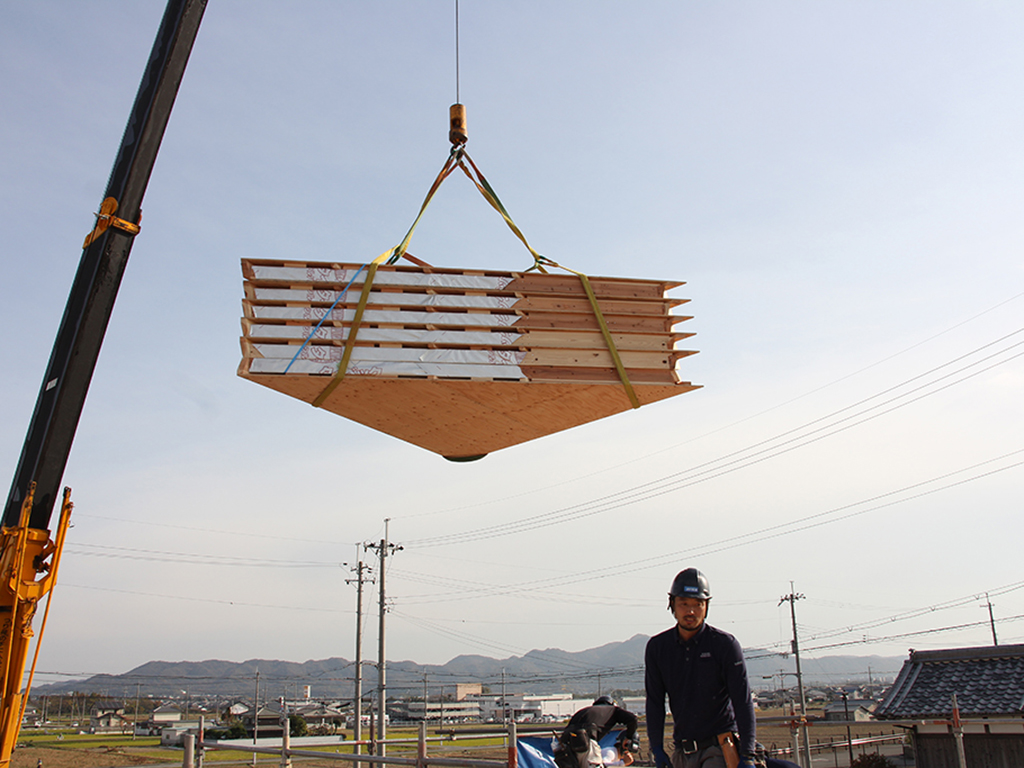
{"points": [[320, 352], [383, 277], [384, 299], [383, 316], [400, 368], [385, 335]]}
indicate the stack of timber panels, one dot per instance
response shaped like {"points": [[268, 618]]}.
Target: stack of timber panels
{"points": [[460, 362]]}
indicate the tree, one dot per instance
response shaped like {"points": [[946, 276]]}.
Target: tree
{"points": [[297, 725]]}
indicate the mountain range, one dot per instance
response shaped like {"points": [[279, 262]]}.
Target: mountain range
{"points": [[616, 666]]}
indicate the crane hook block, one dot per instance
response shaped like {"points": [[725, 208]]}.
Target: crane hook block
{"points": [[457, 119]]}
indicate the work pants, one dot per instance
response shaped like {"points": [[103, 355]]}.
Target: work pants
{"points": [[709, 757]]}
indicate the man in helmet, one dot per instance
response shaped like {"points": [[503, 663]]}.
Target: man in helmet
{"points": [[578, 745], [702, 671]]}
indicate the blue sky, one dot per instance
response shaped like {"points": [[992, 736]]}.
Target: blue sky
{"points": [[839, 185]]}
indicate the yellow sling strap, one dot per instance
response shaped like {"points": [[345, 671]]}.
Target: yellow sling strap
{"points": [[456, 160], [619, 367], [350, 342]]}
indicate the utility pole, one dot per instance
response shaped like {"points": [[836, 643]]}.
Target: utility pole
{"points": [[384, 548], [425, 697], [849, 738], [286, 733], [958, 735], [256, 715], [135, 722], [991, 620], [791, 598], [504, 708], [357, 703]]}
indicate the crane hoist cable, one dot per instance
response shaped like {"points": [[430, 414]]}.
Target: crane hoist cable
{"points": [[458, 158]]}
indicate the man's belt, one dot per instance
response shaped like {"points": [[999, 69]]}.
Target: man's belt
{"points": [[692, 746]]}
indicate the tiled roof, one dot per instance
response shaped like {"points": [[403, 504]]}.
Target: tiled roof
{"points": [[987, 682]]}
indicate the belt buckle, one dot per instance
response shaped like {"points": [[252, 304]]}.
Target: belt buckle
{"points": [[689, 747]]}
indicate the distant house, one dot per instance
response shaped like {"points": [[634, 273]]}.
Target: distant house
{"points": [[160, 718], [859, 710], [108, 721], [268, 720], [173, 734], [167, 713], [989, 687], [321, 716]]}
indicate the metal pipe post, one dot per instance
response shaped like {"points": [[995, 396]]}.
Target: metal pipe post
{"points": [[201, 739], [513, 745], [286, 736]]}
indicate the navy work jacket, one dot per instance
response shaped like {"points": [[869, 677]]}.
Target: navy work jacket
{"points": [[705, 678], [598, 720]]}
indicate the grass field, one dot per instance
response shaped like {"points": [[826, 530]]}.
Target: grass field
{"points": [[74, 750]]}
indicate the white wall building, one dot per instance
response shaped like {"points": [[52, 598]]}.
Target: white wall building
{"points": [[524, 708]]}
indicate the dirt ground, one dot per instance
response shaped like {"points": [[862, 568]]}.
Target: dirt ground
{"points": [[56, 757]]}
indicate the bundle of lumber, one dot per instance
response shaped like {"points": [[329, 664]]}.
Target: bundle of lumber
{"points": [[460, 362]]}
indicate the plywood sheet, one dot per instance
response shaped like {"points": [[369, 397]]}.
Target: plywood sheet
{"points": [[482, 319], [265, 272], [459, 419], [458, 337], [466, 301], [582, 358], [460, 362]]}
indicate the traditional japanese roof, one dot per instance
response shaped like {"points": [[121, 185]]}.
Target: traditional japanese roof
{"points": [[987, 681]]}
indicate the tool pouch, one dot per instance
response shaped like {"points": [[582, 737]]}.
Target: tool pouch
{"points": [[731, 753]]}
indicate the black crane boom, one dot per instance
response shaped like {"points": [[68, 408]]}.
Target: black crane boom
{"points": [[91, 300]]}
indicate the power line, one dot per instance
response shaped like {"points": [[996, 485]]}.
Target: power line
{"points": [[933, 631], [536, 586], [233, 533], [782, 529], [191, 558], [215, 601], [711, 469], [535, 655], [956, 603], [731, 462], [875, 364]]}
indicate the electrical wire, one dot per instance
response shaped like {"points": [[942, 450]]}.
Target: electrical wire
{"points": [[233, 533], [505, 498], [669, 483], [212, 600], [914, 614], [782, 529], [726, 464], [933, 631], [191, 558]]}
